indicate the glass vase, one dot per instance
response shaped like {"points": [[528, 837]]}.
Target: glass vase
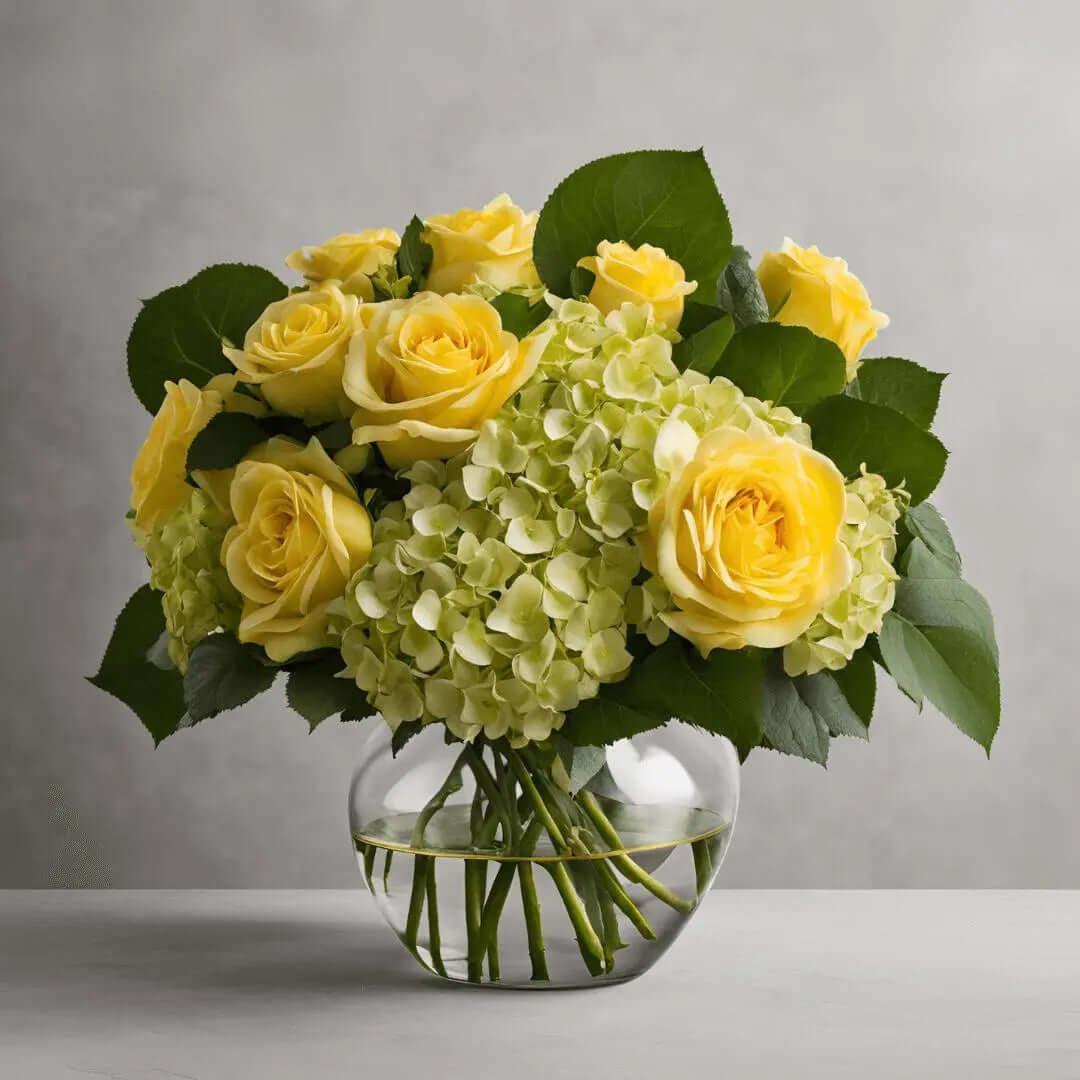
{"points": [[494, 868]]}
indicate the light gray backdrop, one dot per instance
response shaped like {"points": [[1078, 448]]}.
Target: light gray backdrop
{"points": [[933, 145]]}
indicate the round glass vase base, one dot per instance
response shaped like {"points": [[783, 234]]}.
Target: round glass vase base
{"points": [[492, 875]]}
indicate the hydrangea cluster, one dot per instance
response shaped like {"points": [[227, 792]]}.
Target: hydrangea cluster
{"points": [[871, 512], [502, 589], [185, 566]]}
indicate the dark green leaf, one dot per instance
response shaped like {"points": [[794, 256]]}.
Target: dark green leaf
{"points": [[129, 673], [402, 734], [696, 316], [223, 674], [224, 441], [335, 436], [159, 653], [663, 197], [899, 384], [788, 723], [787, 365], [938, 643], [721, 694], [415, 254], [854, 433], [518, 315], [739, 291], [581, 281], [844, 699], [587, 761], [924, 521], [178, 334], [702, 351], [316, 693]]}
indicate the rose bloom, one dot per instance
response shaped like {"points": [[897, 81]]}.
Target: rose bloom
{"points": [[822, 294], [636, 276], [425, 374], [295, 353], [746, 536], [300, 535], [349, 260], [492, 245], [159, 474]]}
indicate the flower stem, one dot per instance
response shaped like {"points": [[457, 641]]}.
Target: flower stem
{"points": [[416, 902], [703, 868], [534, 926], [542, 811], [434, 938], [451, 784], [626, 866], [592, 949], [475, 873]]}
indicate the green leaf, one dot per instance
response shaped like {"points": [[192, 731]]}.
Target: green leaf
{"points": [[223, 674], [787, 365], [739, 291], [696, 316], [899, 384], [224, 441], [335, 436], [702, 351], [129, 671], [854, 432], [924, 521], [316, 693], [415, 254], [402, 734], [789, 724], [844, 699], [581, 281], [938, 643], [667, 198], [519, 316], [178, 334], [721, 694]]}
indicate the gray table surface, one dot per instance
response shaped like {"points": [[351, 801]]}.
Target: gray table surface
{"points": [[201, 985]]}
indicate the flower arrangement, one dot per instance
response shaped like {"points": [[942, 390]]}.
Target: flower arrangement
{"points": [[550, 481]]}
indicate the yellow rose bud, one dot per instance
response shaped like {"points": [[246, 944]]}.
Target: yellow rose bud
{"points": [[295, 353], [300, 535], [822, 294], [492, 245], [426, 373], [747, 535], [644, 275], [349, 260], [158, 476]]}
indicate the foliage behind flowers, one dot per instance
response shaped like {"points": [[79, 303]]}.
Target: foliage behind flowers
{"points": [[551, 479]]}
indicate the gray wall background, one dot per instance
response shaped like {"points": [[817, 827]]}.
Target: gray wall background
{"points": [[933, 145]]}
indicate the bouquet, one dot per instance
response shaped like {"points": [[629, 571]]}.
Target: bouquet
{"points": [[545, 482]]}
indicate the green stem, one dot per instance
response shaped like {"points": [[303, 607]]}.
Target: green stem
{"points": [[486, 782], [703, 869], [386, 870], [416, 902], [369, 866], [626, 866], [451, 784], [592, 949], [534, 926], [612, 939], [435, 939], [622, 901], [475, 874], [542, 811]]}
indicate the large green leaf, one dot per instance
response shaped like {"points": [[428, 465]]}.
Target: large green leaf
{"points": [[854, 432], [415, 255], [667, 198], [518, 316], [789, 724], [178, 334], [739, 291], [938, 643], [702, 350], [899, 384], [924, 521], [787, 365], [844, 699], [316, 693], [128, 670], [223, 674], [721, 694]]}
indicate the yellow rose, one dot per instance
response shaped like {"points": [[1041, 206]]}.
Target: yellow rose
{"points": [[492, 245], [159, 474], [425, 374], [746, 536], [295, 353], [300, 535], [822, 294], [349, 260], [636, 276]]}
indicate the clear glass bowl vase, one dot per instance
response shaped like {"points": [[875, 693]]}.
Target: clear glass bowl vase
{"points": [[491, 873]]}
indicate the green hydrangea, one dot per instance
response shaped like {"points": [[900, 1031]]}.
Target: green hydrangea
{"points": [[185, 566], [502, 589], [869, 533]]}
